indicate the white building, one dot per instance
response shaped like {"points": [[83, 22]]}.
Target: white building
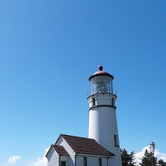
{"points": [[102, 146]]}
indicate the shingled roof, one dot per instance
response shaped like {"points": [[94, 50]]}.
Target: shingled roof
{"points": [[59, 149], [82, 145]]}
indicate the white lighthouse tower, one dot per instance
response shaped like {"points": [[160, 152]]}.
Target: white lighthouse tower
{"points": [[102, 114]]}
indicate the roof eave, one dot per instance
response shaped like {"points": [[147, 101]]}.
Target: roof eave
{"points": [[101, 74], [97, 155], [48, 150]]}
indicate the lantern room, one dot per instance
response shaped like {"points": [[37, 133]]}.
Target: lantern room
{"points": [[101, 82]]}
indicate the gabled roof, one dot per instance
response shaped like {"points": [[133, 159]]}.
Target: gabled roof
{"points": [[82, 145], [59, 149]]}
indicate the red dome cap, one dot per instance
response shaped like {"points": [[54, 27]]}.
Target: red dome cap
{"points": [[100, 72]]}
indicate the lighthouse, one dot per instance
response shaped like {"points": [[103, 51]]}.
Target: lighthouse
{"points": [[102, 146], [102, 114]]}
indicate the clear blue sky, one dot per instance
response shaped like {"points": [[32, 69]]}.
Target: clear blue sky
{"points": [[49, 48]]}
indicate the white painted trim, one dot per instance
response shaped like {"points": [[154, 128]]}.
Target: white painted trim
{"points": [[91, 155]]}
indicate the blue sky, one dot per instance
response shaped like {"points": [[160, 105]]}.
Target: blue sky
{"points": [[48, 50]]}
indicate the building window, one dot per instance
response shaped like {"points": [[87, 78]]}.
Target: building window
{"points": [[85, 161], [93, 101], [63, 163], [116, 141], [100, 162]]}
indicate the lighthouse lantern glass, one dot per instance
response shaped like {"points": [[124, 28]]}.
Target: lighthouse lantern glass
{"points": [[101, 84]]}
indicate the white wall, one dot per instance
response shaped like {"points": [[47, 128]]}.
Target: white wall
{"points": [[115, 161], [103, 124], [53, 158], [103, 127], [67, 159], [91, 161]]}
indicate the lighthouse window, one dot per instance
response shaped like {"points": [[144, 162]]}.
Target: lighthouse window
{"points": [[116, 141], [93, 101], [85, 161], [101, 87], [108, 87], [100, 162], [113, 102]]}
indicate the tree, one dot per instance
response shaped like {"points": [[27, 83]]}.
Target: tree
{"points": [[161, 162], [148, 159], [127, 159]]}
